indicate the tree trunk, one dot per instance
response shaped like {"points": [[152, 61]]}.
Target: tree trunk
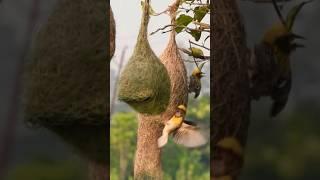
{"points": [[230, 91]]}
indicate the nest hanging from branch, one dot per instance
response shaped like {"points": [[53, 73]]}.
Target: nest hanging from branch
{"points": [[172, 60], [144, 83]]}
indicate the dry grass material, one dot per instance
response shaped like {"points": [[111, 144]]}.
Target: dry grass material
{"points": [[144, 83], [66, 77], [172, 60], [147, 164]]}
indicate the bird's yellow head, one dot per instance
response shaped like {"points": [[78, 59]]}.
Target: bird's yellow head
{"points": [[181, 110], [280, 35], [197, 71], [281, 38], [277, 31]]}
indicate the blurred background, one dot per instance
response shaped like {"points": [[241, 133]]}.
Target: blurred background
{"points": [[33, 154], [287, 147], [177, 162]]}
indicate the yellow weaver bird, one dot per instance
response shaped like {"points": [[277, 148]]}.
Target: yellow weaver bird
{"points": [[183, 132], [195, 80], [280, 39]]}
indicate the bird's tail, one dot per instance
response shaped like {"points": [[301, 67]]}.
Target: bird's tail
{"points": [[163, 139]]}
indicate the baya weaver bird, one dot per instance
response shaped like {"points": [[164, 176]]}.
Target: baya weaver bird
{"points": [[280, 39], [184, 132], [195, 80]]}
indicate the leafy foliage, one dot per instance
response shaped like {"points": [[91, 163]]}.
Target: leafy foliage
{"points": [[122, 143], [185, 19], [200, 12], [182, 22]]}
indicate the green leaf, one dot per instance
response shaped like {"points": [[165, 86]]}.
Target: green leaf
{"points": [[196, 34], [200, 12], [196, 52], [293, 13], [182, 22]]}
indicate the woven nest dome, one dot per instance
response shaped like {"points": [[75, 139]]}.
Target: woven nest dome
{"points": [[144, 83]]}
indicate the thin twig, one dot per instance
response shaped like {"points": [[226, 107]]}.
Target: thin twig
{"points": [[186, 9], [206, 39], [200, 45], [199, 61], [275, 5], [163, 12], [202, 25], [163, 28]]}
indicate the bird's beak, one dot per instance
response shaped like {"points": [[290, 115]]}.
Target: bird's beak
{"points": [[296, 36], [297, 45], [202, 74]]}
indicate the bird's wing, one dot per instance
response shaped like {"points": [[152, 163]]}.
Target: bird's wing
{"points": [[197, 92], [280, 96], [191, 123], [191, 84], [189, 136]]}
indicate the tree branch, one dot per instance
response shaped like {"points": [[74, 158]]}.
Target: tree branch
{"points": [[200, 45]]}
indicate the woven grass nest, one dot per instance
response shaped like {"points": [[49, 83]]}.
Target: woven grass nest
{"points": [[66, 77], [144, 83], [172, 60]]}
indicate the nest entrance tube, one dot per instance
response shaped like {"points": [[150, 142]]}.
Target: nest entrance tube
{"points": [[144, 83]]}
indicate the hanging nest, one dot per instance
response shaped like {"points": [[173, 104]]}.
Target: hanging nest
{"points": [[66, 77], [144, 83], [173, 62]]}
